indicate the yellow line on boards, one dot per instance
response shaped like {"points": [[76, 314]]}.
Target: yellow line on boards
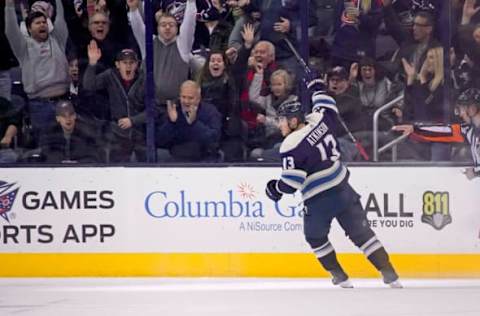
{"points": [[226, 265]]}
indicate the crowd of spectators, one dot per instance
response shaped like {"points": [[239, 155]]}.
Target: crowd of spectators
{"points": [[73, 75]]}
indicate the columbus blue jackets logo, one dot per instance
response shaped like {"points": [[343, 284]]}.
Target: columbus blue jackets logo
{"points": [[175, 8], [423, 5], [7, 198]]}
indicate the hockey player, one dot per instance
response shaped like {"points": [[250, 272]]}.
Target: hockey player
{"points": [[311, 163], [468, 109]]}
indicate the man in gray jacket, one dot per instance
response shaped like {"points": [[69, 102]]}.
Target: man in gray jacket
{"points": [[43, 62], [171, 53]]}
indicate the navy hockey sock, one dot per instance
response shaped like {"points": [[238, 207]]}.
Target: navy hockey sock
{"points": [[331, 264], [379, 258]]}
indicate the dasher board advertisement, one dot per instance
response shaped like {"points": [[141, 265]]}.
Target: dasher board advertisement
{"points": [[223, 210]]}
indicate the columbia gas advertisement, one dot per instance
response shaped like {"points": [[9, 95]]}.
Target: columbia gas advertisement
{"points": [[63, 210]]}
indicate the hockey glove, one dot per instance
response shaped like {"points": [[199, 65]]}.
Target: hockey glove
{"points": [[313, 81], [272, 191], [316, 85]]}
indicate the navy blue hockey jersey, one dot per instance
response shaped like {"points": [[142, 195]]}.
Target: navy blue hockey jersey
{"points": [[311, 155]]}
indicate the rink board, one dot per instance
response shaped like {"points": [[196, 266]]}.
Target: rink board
{"points": [[218, 222]]}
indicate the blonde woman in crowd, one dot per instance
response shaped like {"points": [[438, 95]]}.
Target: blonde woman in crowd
{"points": [[424, 97]]}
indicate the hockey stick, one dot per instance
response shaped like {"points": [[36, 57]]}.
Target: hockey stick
{"points": [[299, 59], [309, 73], [359, 146]]}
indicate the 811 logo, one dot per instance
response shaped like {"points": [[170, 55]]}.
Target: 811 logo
{"points": [[436, 209], [7, 198]]}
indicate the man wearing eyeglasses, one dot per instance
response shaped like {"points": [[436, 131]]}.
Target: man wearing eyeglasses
{"points": [[171, 51], [99, 29], [414, 44]]}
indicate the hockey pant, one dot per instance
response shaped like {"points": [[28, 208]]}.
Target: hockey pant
{"points": [[352, 218]]}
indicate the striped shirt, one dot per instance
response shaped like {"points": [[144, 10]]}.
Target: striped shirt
{"points": [[472, 135], [452, 133]]}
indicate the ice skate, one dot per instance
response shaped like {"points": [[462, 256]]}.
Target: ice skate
{"points": [[395, 284], [341, 279], [346, 284], [391, 279]]}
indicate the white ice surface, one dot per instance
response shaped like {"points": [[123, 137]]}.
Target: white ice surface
{"points": [[235, 297]]}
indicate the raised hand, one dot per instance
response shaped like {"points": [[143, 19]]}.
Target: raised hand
{"points": [[409, 71], [101, 6], [469, 10], [424, 74], [78, 7], [5, 141], [172, 111], [232, 55], [453, 57], [248, 35], [133, 4], [387, 3], [23, 8], [353, 71], [94, 53]]}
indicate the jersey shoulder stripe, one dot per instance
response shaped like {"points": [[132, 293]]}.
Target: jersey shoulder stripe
{"points": [[295, 138], [323, 101]]}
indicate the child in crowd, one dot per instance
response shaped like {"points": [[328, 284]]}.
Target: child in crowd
{"points": [[281, 87]]}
